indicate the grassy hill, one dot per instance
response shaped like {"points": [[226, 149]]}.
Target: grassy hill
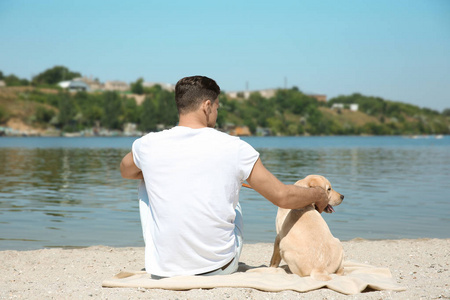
{"points": [[19, 113], [289, 112]]}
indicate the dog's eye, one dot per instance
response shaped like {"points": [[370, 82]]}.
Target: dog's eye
{"points": [[329, 189]]}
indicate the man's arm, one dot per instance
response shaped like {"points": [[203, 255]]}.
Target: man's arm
{"points": [[128, 168], [282, 195]]}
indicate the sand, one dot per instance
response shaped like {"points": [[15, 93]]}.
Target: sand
{"points": [[422, 266]]}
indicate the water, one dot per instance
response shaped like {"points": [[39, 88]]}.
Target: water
{"points": [[67, 192]]}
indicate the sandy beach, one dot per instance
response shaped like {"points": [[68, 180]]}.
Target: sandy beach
{"points": [[421, 265]]}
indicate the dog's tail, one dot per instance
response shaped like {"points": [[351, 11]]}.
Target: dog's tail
{"points": [[320, 275]]}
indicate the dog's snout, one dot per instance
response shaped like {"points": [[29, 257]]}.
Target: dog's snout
{"points": [[342, 197]]}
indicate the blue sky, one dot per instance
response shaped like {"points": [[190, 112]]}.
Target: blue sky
{"points": [[398, 50]]}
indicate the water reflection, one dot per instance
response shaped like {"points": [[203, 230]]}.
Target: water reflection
{"points": [[79, 189], [74, 196]]}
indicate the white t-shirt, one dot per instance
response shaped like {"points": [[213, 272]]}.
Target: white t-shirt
{"points": [[192, 178]]}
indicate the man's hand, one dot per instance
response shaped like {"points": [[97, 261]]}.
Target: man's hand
{"points": [[322, 199]]}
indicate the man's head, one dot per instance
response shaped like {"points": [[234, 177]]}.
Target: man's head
{"points": [[191, 92]]}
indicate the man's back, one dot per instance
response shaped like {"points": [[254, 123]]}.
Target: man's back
{"points": [[192, 178], [193, 175]]}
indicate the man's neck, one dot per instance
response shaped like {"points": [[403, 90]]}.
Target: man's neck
{"points": [[191, 120]]}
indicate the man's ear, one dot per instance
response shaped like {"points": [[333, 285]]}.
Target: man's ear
{"points": [[207, 106]]}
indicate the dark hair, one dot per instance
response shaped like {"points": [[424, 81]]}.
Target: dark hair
{"points": [[190, 92]]}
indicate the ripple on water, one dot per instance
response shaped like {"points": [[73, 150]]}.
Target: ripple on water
{"points": [[69, 192]]}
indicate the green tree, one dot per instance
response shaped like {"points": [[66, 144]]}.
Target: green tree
{"points": [[3, 115], [148, 115], [67, 113], [276, 125], [446, 112], [90, 108], [222, 114], [166, 107], [251, 125], [13, 80], [131, 111], [138, 87], [112, 106], [44, 115], [54, 75]]}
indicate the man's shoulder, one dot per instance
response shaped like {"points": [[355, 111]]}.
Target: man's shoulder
{"points": [[226, 137], [158, 134], [148, 139], [223, 134], [177, 133]]}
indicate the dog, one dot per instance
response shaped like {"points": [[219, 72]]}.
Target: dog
{"points": [[304, 240]]}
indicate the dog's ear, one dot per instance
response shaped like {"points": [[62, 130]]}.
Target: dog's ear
{"points": [[313, 182], [319, 181], [302, 183]]}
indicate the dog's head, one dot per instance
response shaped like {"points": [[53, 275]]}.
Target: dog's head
{"points": [[334, 198]]}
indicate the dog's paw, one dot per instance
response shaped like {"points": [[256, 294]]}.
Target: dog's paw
{"points": [[320, 275]]}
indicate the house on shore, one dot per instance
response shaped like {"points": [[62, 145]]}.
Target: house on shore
{"points": [[165, 86], [351, 107], [115, 85], [94, 84], [240, 131], [75, 86]]}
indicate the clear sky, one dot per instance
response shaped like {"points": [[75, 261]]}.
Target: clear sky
{"points": [[397, 49]]}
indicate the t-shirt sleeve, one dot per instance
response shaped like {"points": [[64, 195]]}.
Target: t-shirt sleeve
{"points": [[247, 159], [135, 149]]}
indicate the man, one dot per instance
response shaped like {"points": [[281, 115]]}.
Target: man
{"points": [[192, 175]]}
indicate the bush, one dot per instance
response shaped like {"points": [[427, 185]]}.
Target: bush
{"points": [[4, 116], [44, 115]]}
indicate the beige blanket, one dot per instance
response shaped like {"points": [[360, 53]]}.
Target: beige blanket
{"points": [[357, 278]]}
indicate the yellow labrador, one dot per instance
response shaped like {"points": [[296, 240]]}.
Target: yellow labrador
{"points": [[304, 240]]}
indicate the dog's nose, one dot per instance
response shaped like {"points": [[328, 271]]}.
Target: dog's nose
{"points": [[342, 197]]}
